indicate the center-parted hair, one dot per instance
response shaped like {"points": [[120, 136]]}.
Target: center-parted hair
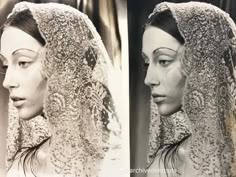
{"points": [[165, 21], [25, 22]]}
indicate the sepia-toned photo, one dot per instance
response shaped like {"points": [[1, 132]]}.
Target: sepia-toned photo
{"points": [[61, 68]]}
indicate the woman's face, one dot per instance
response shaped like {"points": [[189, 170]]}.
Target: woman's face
{"points": [[23, 78], [164, 75]]}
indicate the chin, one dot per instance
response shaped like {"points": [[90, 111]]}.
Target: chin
{"points": [[167, 110], [26, 114]]}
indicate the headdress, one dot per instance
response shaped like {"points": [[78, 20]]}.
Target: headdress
{"points": [[80, 112], [209, 106]]}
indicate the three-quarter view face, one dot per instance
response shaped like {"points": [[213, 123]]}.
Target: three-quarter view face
{"points": [[23, 78], [164, 77]]}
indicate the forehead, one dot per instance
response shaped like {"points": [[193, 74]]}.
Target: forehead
{"points": [[154, 38], [13, 39]]}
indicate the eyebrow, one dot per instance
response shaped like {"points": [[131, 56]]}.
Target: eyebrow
{"points": [[23, 49], [3, 58], [157, 50]]}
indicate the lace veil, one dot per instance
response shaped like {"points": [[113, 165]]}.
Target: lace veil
{"points": [[79, 109], [209, 102]]}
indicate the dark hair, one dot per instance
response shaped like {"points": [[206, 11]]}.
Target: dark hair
{"points": [[25, 22], [165, 21]]}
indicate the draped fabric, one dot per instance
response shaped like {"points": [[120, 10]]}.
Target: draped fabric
{"points": [[209, 102], [81, 118], [139, 94], [5, 8], [3, 126], [104, 15]]}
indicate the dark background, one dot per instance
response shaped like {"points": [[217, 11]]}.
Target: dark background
{"points": [[138, 11]]}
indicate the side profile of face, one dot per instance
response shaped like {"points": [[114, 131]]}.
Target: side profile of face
{"points": [[164, 76], [23, 77]]}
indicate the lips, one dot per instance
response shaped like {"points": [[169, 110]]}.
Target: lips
{"points": [[17, 101], [158, 98]]}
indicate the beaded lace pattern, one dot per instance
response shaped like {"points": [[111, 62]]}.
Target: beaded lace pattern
{"points": [[80, 111], [208, 63]]}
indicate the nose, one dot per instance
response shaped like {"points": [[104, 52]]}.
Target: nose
{"points": [[10, 80], [152, 77]]}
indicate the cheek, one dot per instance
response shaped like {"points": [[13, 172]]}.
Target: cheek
{"points": [[175, 82], [40, 87], [36, 85], [35, 93]]}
